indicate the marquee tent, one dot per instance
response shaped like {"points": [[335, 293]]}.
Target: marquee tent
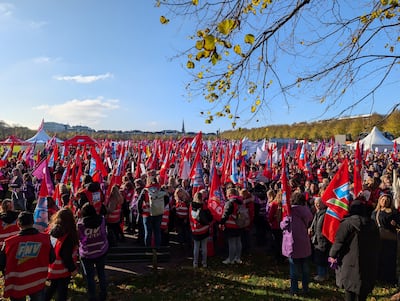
{"points": [[375, 140], [41, 137], [80, 140], [14, 140]]}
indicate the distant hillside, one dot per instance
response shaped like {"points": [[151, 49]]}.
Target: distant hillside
{"points": [[352, 127]]}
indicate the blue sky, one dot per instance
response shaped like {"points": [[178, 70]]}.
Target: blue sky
{"points": [[106, 64]]}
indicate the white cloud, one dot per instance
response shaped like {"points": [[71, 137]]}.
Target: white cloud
{"points": [[87, 79], [37, 24], [88, 112], [6, 10], [42, 60]]}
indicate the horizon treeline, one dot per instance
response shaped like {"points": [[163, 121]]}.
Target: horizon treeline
{"points": [[312, 131]]}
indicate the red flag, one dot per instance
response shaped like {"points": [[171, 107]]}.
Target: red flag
{"points": [[165, 165], [99, 163], [216, 198], [197, 142], [41, 126], [286, 190], [357, 182], [336, 197], [297, 154], [302, 157], [138, 169], [196, 173], [395, 151]]}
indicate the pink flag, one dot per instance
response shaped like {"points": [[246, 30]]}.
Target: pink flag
{"points": [[357, 182], [286, 190]]}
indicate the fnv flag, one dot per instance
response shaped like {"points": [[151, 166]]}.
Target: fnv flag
{"points": [[336, 197], [40, 215]]}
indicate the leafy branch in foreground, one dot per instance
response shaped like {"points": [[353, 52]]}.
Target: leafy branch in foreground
{"points": [[248, 55]]}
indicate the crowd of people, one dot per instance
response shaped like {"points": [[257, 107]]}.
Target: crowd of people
{"points": [[83, 224]]}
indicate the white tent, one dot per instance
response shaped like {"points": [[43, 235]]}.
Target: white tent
{"points": [[41, 137], [375, 140]]}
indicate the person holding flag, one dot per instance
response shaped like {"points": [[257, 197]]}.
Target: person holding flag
{"points": [[354, 253], [336, 197]]}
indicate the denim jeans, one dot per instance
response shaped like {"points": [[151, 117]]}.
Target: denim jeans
{"points": [[297, 266], [235, 247], [322, 270], [197, 245], [152, 226], [91, 266]]}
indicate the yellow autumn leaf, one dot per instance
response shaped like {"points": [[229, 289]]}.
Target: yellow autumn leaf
{"points": [[237, 49], [190, 65], [195, 2], [225, 27], [199, 55], [258, 102], [209, 42], [249, 38], [253, 109], [163, 20], [199, 44], [200, 75], [214, 58]]}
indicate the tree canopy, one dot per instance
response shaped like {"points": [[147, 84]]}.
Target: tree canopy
{"points": [[248, 54]]}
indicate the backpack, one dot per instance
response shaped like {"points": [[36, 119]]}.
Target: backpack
{"points": [[156, 200], [242, 216]]}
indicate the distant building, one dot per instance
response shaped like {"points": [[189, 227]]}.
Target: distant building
{"points": [[56, 127]]}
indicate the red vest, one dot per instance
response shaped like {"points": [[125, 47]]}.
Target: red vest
{"points": [[27, 261], [182, 210], [230, 222], [114, 216], [7, 230], [165, 218], [197, 227], [57, 269]]}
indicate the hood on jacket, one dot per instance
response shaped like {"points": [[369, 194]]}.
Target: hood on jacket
{"points": [[92, 222], [93, 186]]}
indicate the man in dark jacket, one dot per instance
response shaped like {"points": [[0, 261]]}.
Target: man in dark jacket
{"points": [[355, 252]]}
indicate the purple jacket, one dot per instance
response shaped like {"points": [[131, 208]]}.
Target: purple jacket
{"points": [[92, 237], [296, 242]]}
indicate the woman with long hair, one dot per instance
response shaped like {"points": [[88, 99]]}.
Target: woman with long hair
{"points": [[113, 217], [64, 236], [387, 218]]}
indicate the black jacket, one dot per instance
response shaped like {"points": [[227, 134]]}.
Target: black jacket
{"points": [[356, 247]]}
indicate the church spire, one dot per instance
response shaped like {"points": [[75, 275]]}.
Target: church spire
{"points": [[183, 127]]}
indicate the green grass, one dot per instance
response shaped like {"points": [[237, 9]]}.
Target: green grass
{"points": [[258, 278]]}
